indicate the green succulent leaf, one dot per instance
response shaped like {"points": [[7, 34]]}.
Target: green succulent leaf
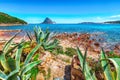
{"points": [[29, 36], [29, 56], [26, 77], [4, 63], [3, 76], [50, 45], [89, 75], [18, 56], [84, 60], [106, 66], [13, 73], [29, 66], [46, 36], [36, 34], [11, 64], [13, 48], [116, 62], [8, 43]]}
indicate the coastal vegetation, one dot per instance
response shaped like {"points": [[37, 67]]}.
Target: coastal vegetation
{"points": [[40, 54], [106, 64], [17, 65], [7, 19]]}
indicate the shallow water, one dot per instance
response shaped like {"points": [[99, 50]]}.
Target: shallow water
{"points": [[110, 32]]}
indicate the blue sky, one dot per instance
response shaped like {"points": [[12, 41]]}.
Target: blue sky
{"points": [[62, 11]]}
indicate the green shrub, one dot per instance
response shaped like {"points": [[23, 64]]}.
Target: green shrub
{"points": [[70, 52], [112, 54], [58, 50], [5, 18]]}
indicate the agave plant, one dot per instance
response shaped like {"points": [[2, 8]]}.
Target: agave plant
{"points": [[105, 63], [87, 71], [5, 53], [12, 67], [44, 38]]}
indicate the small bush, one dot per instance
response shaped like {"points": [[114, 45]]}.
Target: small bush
{"points": [[70, 52], [58, 50]]}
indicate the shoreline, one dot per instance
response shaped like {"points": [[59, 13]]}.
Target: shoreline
{"points": [[5, 25], [67, 40], [17, 30]]}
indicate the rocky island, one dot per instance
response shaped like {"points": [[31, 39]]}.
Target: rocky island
{"points": [[48, 21], [8, 20], [113, 22]]}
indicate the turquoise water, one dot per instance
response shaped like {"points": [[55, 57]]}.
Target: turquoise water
{"points": [[111, 31]]}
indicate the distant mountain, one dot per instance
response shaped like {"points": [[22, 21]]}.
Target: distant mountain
{"points": [[48, 21], [7, 19], [113, 22], [88, 23]]}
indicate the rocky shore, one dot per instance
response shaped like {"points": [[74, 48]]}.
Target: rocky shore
{"points": [[62, 66], [5, 35], [73, 40], [10, 24], [92, 42]]}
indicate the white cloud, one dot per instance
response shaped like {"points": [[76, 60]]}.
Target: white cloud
{"points": [[80, 19], [115, 16], [67, 20], [98, 18], [33, 20]]}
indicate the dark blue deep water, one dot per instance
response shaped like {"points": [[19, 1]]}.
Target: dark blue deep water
{"points": [[111, 31]]}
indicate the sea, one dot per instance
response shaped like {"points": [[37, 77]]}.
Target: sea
{"points": [[110, 32]]}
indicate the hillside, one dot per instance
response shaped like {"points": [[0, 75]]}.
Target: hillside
{"points": [[7, 19], [113, 22]]}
